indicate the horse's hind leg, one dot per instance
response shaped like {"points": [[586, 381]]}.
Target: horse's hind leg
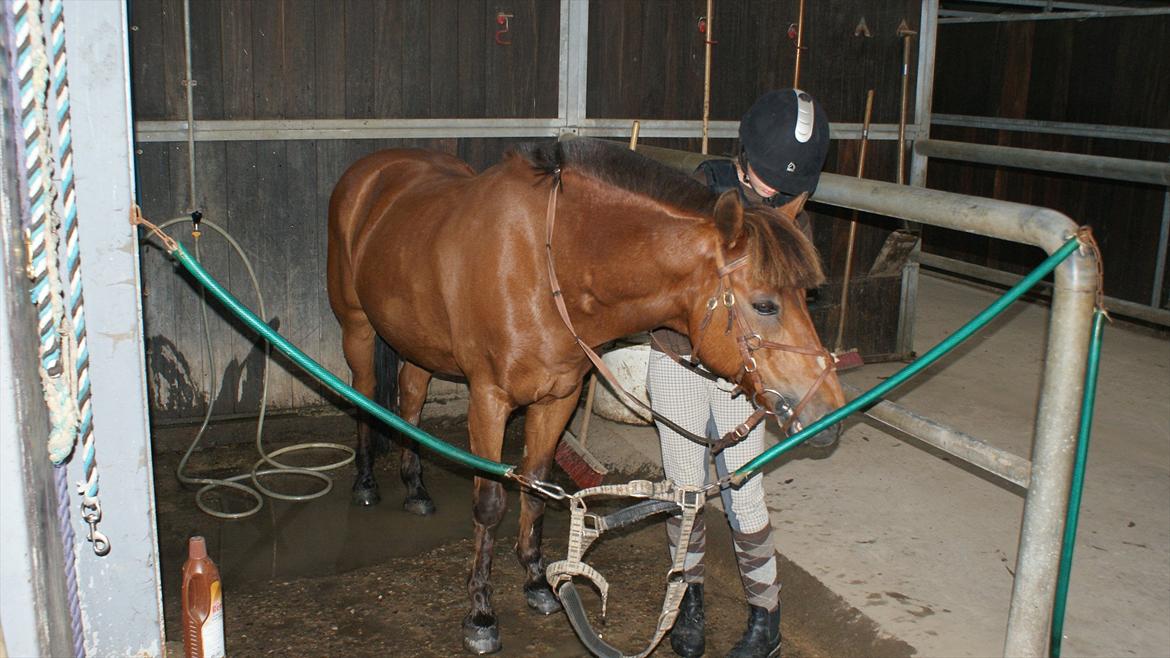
{"points": [[485, 423], [543, 425], [357, 341], [412, 393]]}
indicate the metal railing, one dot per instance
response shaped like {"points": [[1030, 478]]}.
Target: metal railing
{"points": [[1096, 166]]}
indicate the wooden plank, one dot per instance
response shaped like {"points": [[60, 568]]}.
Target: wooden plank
{"points": [[217, 256], [305, 266], [269, 82], [332, 159], [360, 58], [236, 36], [188, 330], [444, 46], [147, 46], [299, 55], [475, 38], [415, 47], [173, 60], [206, 67], [329, 68], [384, 73], [169, 379]]}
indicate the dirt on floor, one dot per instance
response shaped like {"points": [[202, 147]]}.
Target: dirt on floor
{"points": [[325, 578]]}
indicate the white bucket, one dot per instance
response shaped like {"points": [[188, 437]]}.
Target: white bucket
{"points": [[628, 365]]}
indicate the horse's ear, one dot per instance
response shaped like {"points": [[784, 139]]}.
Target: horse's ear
{"points": [[729, 217], [793, 207]]}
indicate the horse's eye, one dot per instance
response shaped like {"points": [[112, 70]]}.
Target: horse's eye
{"points": [[766, 307]]}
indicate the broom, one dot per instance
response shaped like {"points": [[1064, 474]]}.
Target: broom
{"points": [[571, 455]]}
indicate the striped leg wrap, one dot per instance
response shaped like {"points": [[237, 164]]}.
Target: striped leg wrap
{"points": [[693, 566], [756, 556]]}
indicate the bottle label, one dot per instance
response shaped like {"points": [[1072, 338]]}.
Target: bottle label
{"points": [[212, 634]]}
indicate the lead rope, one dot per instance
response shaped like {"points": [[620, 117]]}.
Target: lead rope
{"points": [[40, 223], [91, 508]]}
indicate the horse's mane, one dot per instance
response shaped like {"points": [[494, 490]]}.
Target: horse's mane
{"points": [[779, 252]]}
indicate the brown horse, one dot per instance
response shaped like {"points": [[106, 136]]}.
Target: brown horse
{"points": [[450, 268]]}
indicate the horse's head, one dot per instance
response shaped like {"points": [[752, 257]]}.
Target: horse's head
{"points": [[750, 323]]}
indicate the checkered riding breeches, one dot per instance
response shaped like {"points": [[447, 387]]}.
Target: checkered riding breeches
{"points": [[696, 403]]}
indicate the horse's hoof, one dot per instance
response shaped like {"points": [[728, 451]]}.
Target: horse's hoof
{"points": [[420, 505], [481, 638], [366, 497], [542, 599]]}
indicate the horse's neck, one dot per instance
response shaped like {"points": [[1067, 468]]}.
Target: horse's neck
{"points": [[634, 267]]}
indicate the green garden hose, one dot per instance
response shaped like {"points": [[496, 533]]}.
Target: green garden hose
{"points": [[874, 395], [329, 379], [1078, 484]]}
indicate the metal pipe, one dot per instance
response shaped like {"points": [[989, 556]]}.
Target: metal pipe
{"points": [[1097, 166], [952, 18], [710, 43], [1160, 257], [1098, 131], [1120, 307], [188, 84], [1042, 227], [340, 129], [1053, 453], [1000, 463]]}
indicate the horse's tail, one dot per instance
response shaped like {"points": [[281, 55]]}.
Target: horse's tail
{"points": [[385, 391]]}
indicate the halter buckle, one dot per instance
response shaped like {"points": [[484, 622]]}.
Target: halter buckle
{"points": [[729, 299]]}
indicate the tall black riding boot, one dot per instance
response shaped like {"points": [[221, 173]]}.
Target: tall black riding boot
{"points": [[762, 637], [686, 638]]}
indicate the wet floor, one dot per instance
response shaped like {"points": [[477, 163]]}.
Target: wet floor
{"points": [[326, 578]]}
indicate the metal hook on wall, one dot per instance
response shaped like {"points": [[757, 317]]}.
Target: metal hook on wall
{"points": [[504, 20]]}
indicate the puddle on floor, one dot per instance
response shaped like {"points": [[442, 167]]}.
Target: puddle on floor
{"points": [[326, 578]]}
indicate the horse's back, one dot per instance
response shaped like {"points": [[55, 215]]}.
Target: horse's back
{"points": [[377, 179]]}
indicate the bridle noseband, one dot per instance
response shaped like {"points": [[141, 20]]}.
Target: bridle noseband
{"points": [[748, 341]]}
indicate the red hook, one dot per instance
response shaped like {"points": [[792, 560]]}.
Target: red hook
{"points": [[503, 19]]}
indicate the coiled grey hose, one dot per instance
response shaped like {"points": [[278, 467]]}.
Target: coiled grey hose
{"points": [[256, 489]]}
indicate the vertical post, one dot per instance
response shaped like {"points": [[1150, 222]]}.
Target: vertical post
{"points": [[710, 43], [1053, 454], [574, 63], [121, 592], [923, 99]]}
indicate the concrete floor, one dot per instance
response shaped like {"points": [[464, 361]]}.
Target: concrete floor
{"points": [[926, 548]]}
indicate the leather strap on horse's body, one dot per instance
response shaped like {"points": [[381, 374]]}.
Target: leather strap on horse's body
{"points": [[748, 342], [602, 369], [662, 496]]}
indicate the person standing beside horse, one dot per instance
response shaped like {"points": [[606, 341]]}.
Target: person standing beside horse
{"points": [[784, 138]]}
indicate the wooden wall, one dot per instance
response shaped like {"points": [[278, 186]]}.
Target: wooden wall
{"points": [[1104, 71], [300, 59]]}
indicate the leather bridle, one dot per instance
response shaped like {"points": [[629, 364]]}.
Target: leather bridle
{"points": [[747, 340]]}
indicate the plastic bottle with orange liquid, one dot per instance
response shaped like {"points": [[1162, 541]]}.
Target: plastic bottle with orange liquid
{"points": [[202, 604]]}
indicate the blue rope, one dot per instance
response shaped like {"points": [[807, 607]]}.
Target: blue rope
{"points": [[68, 541]]}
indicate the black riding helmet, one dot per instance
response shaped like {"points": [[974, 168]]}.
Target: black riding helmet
{"points": [[785, 138]]}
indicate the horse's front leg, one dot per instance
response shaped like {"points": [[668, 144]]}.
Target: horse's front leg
{"points": [[542, 430], [486, 417]]}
